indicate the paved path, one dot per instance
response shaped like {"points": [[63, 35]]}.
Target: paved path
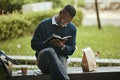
{"points": [[106, 17]]}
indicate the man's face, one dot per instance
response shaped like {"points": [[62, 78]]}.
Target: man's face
{"points": [[64, 18]]}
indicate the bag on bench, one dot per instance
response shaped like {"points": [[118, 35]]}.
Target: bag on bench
{"points": [[5, 66], [5, 69], [88, 60]]}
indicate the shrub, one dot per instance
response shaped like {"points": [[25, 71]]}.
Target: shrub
{"points": [[13, 5], [78, 18], [18, 25], [36, 17], [12, 26]]}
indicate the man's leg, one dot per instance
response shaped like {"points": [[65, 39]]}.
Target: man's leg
{"points": [[49, 62]]}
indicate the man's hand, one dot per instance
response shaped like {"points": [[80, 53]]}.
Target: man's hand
{"points": [[57, 43]]}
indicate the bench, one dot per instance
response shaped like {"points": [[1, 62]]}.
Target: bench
{"points": [[31, 60], [75, 73]]}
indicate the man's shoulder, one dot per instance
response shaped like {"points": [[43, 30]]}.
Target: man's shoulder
{"points": [[71, 26], [46, 20]]}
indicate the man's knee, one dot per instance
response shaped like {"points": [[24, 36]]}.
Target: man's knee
{"points": [[47, 52]]}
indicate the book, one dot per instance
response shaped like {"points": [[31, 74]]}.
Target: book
{"points": [[54, 36]]}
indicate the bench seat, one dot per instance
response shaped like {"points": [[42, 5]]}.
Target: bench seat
{"points": [[75, 73]]}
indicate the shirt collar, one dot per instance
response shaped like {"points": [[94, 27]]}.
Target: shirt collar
{"points": [[54, 22]]}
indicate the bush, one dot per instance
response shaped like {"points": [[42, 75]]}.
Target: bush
{"points": [[78, 18], [13, 5], [18, 25], [12, 26], [36, 17]]}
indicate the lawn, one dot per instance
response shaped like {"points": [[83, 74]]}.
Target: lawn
{"points": [[105, 41]]}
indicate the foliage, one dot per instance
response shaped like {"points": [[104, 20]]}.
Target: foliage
{"points": [[106, 41], [18, 25], [78, 18], [36, 17], [9, 6], [64, 2], [12, 26]]}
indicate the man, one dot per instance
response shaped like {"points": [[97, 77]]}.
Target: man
{"points": [[52, 58]]}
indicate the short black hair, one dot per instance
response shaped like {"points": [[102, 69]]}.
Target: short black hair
{"points": [[70, 9]]}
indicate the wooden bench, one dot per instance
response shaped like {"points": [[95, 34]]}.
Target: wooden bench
{"points": [[75, 73]]}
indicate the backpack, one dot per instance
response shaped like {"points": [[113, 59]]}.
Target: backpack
{"points": [[6, 66]]}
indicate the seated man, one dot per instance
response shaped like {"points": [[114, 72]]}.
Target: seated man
{"points": [[52, 57]]}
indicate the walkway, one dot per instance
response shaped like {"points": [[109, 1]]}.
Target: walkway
{"points": [[106, 17]]}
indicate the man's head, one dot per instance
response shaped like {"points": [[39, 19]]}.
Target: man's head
{"points": [[70, 9], [66, 15]]}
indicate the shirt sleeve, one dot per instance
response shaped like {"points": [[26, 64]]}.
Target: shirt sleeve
{"points": [[70, 45], [37, 42]]}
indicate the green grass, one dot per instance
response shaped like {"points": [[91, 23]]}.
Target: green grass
{"points": [[11, 47], [106, 41]]}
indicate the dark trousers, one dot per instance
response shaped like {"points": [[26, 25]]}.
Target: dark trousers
{"points": [[51, 63]]}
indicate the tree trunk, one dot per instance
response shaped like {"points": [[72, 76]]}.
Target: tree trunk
{"points": [[97, 13]]}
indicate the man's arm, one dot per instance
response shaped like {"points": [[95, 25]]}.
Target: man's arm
{"points": [[69, 48], [37, 42]]}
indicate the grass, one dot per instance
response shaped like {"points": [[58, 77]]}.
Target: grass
{"points": [[105, 41], [19, 46]]}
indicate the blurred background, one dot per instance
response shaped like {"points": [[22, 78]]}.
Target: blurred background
{"points": [[19, 18]]}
